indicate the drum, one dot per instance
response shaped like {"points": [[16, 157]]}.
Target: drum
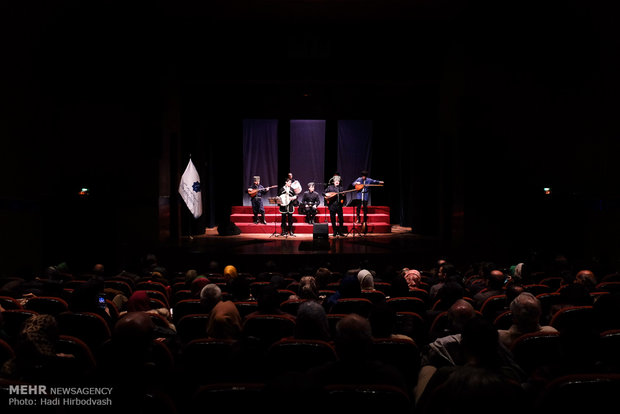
{"points": [[286, 205], [286, 199], [296, 187]]}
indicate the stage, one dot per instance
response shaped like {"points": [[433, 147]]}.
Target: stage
{"points": [[246, 250]]}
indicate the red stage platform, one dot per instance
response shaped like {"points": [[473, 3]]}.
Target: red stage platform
{"points": [[378, 220]]}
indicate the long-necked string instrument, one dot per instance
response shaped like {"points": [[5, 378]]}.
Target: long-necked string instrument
{"points": [[358, 187], [253, 191], [332, 194]]}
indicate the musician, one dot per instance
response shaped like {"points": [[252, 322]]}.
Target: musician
{"points": [[287, 196], [309, 204], [296, 188], [363, 194], [335, 204], [257, 201]]}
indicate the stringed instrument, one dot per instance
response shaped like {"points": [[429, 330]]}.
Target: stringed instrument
{"points": [[359, 187], [253, 191], [332, 194]]}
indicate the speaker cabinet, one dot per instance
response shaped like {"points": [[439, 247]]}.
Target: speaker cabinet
{"points": [[320, 231]]}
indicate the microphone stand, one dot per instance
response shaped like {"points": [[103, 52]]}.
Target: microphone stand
{"points": [[273, 200]]}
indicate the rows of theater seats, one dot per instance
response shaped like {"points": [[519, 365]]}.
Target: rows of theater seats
{"points": [[190, 371]]}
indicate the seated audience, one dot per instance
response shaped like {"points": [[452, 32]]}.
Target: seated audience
{"points": [[353, 343], [481, 356]]}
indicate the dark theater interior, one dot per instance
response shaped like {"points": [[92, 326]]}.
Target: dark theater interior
{"points": [[490, 126]]}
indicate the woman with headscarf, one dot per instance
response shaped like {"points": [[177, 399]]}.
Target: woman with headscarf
{"points": [[36, 360], [139, 301], [413, 278], [366, 280]]}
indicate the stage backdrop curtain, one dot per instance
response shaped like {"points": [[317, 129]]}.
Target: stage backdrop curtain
{"points": [[307, 159], [354, 152], [260, 155]]}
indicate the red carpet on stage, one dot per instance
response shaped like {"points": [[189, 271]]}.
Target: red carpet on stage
{"points": [[378, 219]]}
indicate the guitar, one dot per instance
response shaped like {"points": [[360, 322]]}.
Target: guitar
{"points": [[253, 191]]}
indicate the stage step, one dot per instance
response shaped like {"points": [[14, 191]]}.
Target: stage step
{"points": [[269, 209], [297, 218], [378, 220], [303, 228]]}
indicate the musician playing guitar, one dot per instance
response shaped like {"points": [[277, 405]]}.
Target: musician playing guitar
{"points": [[287, 196], [256, 192], [363, 183], [334, 198]]}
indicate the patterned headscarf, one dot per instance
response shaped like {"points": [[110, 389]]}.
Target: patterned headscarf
{"points": [[413, 278], [40, 333]]}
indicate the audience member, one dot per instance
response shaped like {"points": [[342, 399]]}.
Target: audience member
{"points": [[526, 313], [224, 318], [349, 288], [446, 348], [399, 285], [447, 271], [268, 301], [197, 284], [494, 286], [311, 322], [413, 278], [322, 277], [36, 360], [239, 288], [586, 278], [383, 322], [366, 280], [139, 301], [353, 342], [230, 273], [90, 297], [479, 348], [572, 294], [478, 281], [308, 289], [132, 361], [447, 295]]}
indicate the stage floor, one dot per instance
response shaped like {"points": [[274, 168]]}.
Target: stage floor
{"points": [[401, 245]]}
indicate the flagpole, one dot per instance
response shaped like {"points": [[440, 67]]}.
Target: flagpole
{"points": [[190, 215]]}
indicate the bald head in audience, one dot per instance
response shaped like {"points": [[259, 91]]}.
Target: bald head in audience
{"points": [[526, 312], [586, 278], [459, 313]]}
